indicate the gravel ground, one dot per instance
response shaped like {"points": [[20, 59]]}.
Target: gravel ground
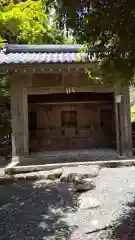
{"points": [[72, 156], [115, 190], [32, 210]]}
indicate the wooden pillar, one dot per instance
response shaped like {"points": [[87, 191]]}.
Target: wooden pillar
{"points": [[118, 121], [127, 131], [123, 123], [19, 114]]}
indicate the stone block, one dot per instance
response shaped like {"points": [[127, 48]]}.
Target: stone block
{"points": [[80, 172], [87, 202]]}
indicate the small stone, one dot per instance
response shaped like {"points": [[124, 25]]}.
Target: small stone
{"points": [[78, 173], [87, 202], [30, 175], [71, 177], [89, 171], [41, 183], [85, 185], [54, 174], [42, 175]]}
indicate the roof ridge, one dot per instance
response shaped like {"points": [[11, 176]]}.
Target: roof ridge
{"points": [[44, 48]]}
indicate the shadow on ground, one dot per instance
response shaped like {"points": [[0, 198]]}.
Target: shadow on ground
{"points": [[123, 228], [35, 211]]}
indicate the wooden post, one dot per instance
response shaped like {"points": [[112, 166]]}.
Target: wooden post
{"points": [[19, 114], [127, 120], [121, 150], [123, 124], [119, 120], [116, 122]]}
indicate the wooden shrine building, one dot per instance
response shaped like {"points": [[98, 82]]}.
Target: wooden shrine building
{"points": [[55, 106]]}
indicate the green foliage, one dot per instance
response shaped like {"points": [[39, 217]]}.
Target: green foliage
{"points": [[4, 86], [132, 103], [24, 22], [27, 22], [5, 123], [132, 113], [108, 28], [1, 42]]}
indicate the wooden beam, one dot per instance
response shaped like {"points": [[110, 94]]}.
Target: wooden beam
{"points": [[62, 89], [66, 103], [47, 67]]}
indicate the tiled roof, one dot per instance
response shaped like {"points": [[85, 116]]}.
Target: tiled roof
{"points": [[34, 54]]}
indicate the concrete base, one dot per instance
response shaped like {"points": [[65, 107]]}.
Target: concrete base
{"points": [[31, 168], [56, 159], [10, 166], [69, 156]]}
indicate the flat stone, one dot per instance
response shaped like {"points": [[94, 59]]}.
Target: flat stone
{"points": [[51, 175], [78, 173], [71, 177], [48, 175], [85, 184], [30, 176], [90, 171], [54, 174], [87, 202]]}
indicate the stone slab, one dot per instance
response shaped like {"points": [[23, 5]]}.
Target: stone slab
{"points": [[71, 173], [30, 168]]}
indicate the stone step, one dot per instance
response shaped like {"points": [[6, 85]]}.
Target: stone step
{"points": [[15, 168], [80, 176]]}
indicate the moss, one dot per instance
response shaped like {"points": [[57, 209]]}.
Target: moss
{"points": [[132, 113]]}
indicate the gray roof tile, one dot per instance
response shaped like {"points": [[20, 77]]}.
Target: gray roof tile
{"points": [[23, 54], [30, 58]]}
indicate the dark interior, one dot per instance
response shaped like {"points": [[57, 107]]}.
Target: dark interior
{"points": [[72, 97], [79, 120]]}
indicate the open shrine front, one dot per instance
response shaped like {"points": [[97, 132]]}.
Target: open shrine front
{"points": [[66, 111], [61, 121], [56, 106]]}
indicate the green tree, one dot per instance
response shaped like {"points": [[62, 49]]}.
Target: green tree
{"points": [[108, 27], [5, 123], [23, 22], [27, 22]]}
